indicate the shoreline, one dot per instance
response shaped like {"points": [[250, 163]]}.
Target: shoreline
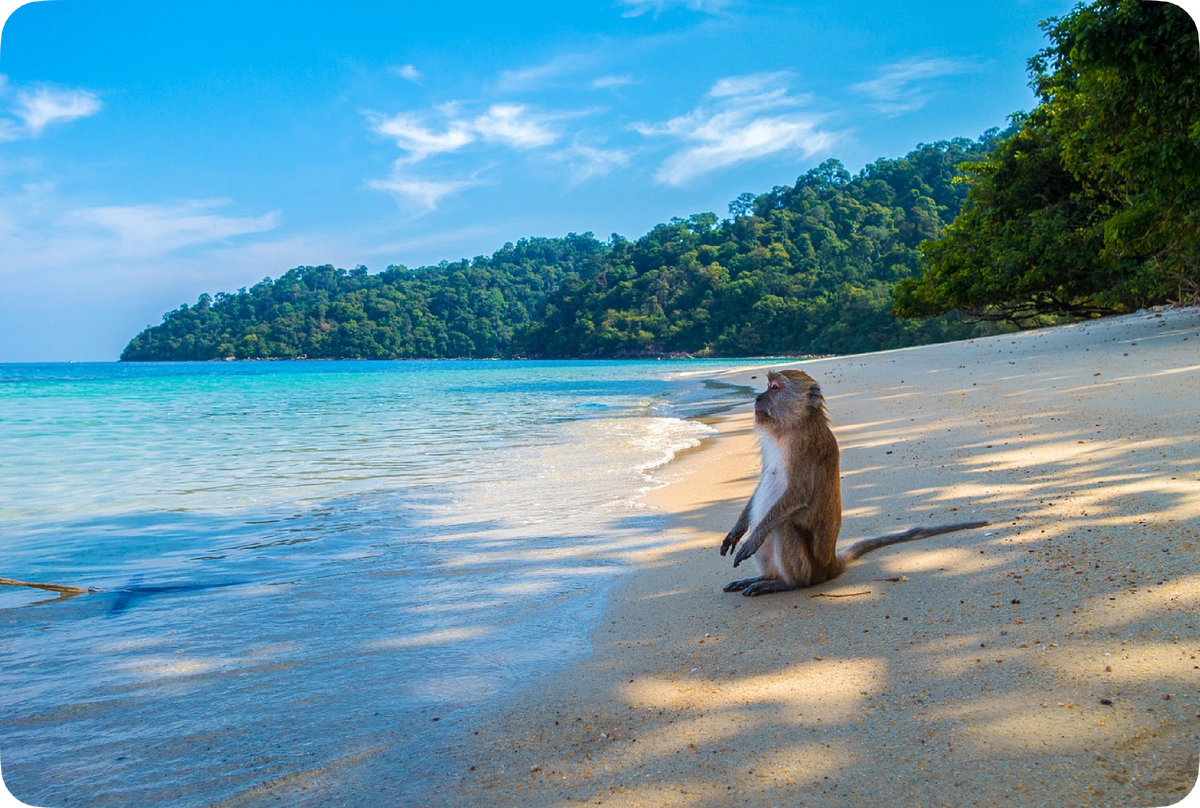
{"points": [[1048, 659]]}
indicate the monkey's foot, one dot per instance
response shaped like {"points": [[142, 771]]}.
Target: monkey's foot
{"points": [[767, 586], [739, 585]]}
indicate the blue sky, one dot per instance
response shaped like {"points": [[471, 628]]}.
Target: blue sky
{"points": [[151, 151]]}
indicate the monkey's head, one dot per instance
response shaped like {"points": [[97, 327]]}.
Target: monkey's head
{"points": [[791, 397]]}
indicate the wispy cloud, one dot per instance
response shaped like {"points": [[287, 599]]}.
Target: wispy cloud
{"points": [[608, 82], [419, 140], [514, 126], [45, 234], [160, 229], [45, 106], [636, 8], [744, 118], [27, 112], [508, 124], [80, 279], [756, 87], [548, 72], [903, 86], [408, 72], [587, 162], [425, 194]]}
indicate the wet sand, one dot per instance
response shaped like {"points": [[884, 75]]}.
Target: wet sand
{"points": [[1052, 658]]}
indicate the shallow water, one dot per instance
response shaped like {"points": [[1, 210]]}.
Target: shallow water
{"points": [[302, 560]]}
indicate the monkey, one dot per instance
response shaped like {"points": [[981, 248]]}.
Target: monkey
{"points": [[795, 513]]}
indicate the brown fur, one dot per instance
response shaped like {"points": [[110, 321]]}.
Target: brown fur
{"points": [[795, 514]]}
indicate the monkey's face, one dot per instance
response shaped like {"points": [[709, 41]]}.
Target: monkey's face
{"points": [[789, 398]]}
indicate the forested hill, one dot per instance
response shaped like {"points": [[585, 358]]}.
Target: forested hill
{"points": [[807, 268]]}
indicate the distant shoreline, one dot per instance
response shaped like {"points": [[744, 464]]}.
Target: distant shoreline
{"points": [[622, 358]]}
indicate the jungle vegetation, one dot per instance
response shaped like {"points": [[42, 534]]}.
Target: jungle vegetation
{"points": [[1092, 205]]}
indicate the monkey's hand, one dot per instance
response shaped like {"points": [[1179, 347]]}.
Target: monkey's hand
{"points": [[731, 540], [750, 547], [737, 531]]}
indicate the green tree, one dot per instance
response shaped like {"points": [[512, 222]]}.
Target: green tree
{"points": [[1093, 205], [1027, 243], [1120, 86]]}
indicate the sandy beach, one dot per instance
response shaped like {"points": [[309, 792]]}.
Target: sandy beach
{"points": [[1051, 658]]}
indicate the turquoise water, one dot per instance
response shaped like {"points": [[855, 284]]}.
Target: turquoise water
{"points": [[301, 561]]}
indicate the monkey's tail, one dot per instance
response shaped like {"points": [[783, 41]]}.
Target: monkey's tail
{"points": [[867, 545], [66, 590]]}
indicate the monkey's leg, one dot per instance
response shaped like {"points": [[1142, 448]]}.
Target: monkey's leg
{"points": [[739, 585], [767, 586]]}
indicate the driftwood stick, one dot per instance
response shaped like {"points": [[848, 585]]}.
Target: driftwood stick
{"points": [[69, 590], [843, 595]]}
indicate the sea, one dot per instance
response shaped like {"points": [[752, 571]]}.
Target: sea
{"points": [[298, 561]]}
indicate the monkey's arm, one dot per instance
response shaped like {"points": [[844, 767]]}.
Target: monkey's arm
{"points": [[739, 529], [784, 509]]}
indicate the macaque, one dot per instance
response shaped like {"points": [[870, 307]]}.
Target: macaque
{"points": [[795, 514]]}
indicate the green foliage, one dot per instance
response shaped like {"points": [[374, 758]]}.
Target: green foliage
{"points": [[803, 269], [1027, 243], [1093, 205], [463, 309], [1121, 86]]}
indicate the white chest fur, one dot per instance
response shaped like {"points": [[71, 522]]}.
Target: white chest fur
{"points": [[774, 477]]}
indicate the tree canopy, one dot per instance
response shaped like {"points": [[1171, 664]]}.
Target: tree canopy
{"points": [[1092, 205], [807, 268], [475, 308]]}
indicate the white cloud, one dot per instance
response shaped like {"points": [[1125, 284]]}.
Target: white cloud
{"points": [[159, 229], [408, 72], [746, 118], [32, 110], [587, 162], [419, 140], [425, 194], [636, 8], [758, 86], [899, 86], [565, 69], [726, 140], [608, 82], [44, 106], [508, 124], [529, 78], [81, 280], [513, 125]]}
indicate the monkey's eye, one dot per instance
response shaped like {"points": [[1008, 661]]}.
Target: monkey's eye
{"points": [[774, 386]]}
